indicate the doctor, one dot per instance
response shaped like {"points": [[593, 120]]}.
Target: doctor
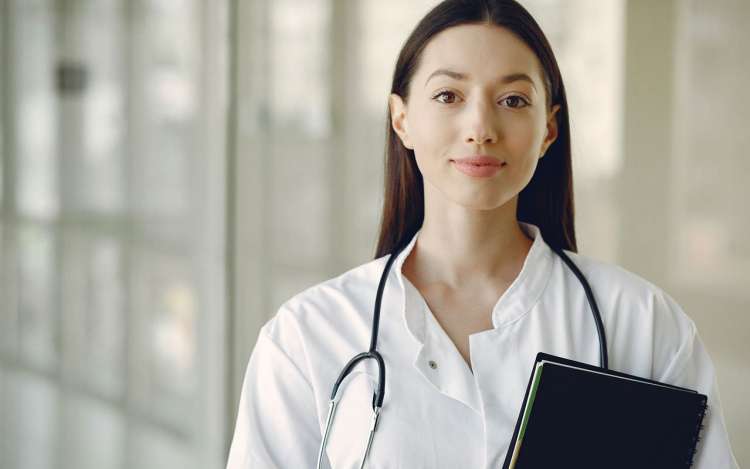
{"points": [[478, 188]]}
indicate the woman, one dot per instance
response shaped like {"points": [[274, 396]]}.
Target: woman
{"points": [[478, 190]]}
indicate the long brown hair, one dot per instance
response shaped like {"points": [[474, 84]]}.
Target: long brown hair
{"points": [[547, 201]]}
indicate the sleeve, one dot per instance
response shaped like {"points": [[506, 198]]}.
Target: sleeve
{"points": [[691, 367], [277, 423]]}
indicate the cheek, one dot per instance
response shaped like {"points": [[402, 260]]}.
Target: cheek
{"points": [[431, 133], [523, 137]]}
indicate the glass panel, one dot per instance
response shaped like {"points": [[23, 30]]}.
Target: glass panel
{"points": [[94, 436], [31, 408], [711, 138], [299, 69], [36, 294], [95, 163], [166, 53], [3, 71], [33, 57], [8, 437], [153, 448], [8, 307], [383, 26], [3, 289], [300, 197], [165, 306], [93, 300]]}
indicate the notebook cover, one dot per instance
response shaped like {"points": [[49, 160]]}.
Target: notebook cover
{"points": [[582, 419]]}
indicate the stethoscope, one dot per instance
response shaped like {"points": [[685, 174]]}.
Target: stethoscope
{"points": [[377, 397]]}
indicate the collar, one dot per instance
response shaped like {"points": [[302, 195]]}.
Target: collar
{"points": [[518, 299]]}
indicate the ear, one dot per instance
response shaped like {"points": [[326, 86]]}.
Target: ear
{"points": [[398, 119], [551, 129]]}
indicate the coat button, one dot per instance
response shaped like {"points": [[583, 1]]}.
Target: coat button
{"points": [[432, 364]]}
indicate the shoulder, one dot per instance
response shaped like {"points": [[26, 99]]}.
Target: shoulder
{"points": [[326, 323], [640, 317], [345, 298], [619, 286], [614, 278]]}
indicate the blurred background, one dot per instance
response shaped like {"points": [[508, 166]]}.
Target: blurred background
{"points": [[171, 171]]}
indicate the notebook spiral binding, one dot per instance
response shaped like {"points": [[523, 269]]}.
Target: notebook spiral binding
{"points": [[698, 433]]}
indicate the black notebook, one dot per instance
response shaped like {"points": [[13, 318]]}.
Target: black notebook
{"points": [[576, 415]]}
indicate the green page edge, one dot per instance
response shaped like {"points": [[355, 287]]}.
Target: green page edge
{"points": [[530, 403], [526, 413]]}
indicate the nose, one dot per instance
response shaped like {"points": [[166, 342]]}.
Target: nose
{"points": [[480, 126]]}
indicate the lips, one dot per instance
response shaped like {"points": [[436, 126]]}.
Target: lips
{"points": [[478, 165], [481, 160]]}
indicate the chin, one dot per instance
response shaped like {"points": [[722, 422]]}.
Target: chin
{"points": [[471, 197], [482, 202]]}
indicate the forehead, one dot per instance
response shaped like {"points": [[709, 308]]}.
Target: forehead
{"points": [[481, 51]]}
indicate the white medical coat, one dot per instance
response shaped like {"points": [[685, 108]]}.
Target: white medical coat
{"points": [[445, 416]]}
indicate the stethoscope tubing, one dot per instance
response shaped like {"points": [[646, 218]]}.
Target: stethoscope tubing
{"points": [[603, 356], [373, 354]]}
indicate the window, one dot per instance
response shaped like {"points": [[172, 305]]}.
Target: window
{"points": [[112, 225]]}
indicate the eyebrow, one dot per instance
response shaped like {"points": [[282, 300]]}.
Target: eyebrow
{"points": [[462, 76]]}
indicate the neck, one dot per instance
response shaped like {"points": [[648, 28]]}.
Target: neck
{"points": [[458, 246]]}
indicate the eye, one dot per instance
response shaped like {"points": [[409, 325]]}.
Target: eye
{"points": [[515, 101], [444, 93]]}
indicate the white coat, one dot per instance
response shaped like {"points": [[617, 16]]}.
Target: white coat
{"points": [[445, 416]]}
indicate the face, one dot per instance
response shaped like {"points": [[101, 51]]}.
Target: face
{"points": [[489, 100]]}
